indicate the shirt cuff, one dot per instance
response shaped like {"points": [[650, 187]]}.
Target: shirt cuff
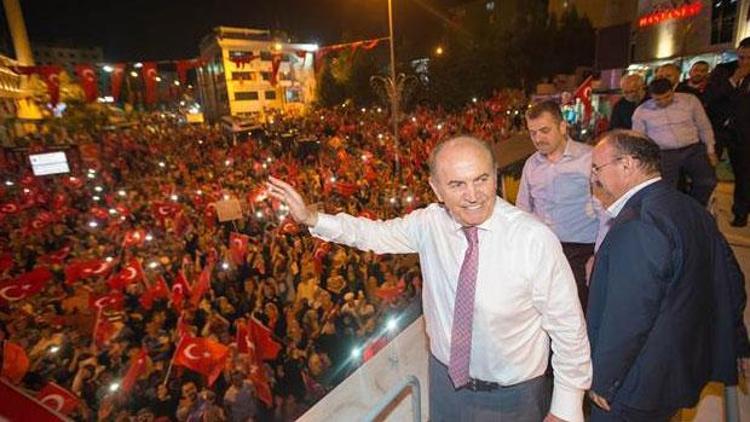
{"points": [[326, 228], [567, 403]]}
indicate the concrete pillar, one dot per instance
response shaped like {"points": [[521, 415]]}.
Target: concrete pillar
{"points": [[18, 32]]}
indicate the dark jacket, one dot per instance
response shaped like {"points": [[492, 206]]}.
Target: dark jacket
{"points": [[665, 304], [728, 107], [622, 113]]}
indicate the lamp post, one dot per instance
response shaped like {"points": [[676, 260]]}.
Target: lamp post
{"points": [[395, 95]]}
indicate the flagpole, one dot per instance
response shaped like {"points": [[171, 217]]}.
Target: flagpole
{"points": [[171, 361]]}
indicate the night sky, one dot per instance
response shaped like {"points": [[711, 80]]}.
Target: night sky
{"points": [[134, 30]]}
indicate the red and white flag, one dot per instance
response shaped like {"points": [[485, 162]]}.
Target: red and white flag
{"points": [[180, 290], [238, 247], [87, 78], [202, 355], [16, 405], [202, 285], [58, 398], [138, 367], [25, 285], [131, 273], [584, 94], [112, 300], [266, 348], [78, 270], [134, 237]]}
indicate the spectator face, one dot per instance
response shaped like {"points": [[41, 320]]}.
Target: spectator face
{"points": [[698, 73], [189, 391], [547, 134], [633, 90], [465, 181], [670, 73]]}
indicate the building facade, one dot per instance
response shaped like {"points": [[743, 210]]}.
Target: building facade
{"points": [[249, 73], [683, 32]]}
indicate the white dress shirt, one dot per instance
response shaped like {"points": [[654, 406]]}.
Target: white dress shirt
{"points": [[525, 293]]}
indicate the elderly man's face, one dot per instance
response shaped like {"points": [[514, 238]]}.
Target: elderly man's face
{"points": [[633, 90], [465, 181], [606, 174]]}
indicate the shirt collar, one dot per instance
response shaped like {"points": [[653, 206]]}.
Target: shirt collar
{"points": [[490, 224], [617, 206]]}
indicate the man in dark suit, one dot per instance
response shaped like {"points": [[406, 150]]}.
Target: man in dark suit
{"points": [[667, 295], [727, 99]]}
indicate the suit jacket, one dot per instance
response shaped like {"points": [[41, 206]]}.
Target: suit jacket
{"points": [[665, 304], [727, 106]]}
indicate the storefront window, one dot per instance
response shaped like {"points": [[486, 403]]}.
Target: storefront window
{"points": [[723, 16]]}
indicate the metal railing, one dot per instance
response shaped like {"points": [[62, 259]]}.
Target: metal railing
{"points": [[392, 395]]}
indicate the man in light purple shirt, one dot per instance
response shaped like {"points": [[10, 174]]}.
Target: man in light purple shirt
{"points": [[678, 123], [555, 188]]}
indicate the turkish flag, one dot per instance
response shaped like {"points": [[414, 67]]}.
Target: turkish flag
{"points": [[158, 291], [244, 342], [183, 66], [180, 290], [87, 268], [584, 94], [55, 258], [134, 238], [51, 77], [202, 285], [288, 226], [99, 213], [58, 398], [15, 362], [87, 78], [345, 189], [260, 382], [19, 406], [390, 293], [9, 208], [111, 300], [149, 81], [164, 210], [131, 273], [275, 64], [238, 247], [118, 73], [104, 331], [138, 367], [25, 285], [202, 355], [266, 348], [319, 254]]}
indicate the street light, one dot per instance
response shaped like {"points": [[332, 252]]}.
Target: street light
{"points": [[439, 51], [394, 98]]}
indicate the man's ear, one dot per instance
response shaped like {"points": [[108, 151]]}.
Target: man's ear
{"points": [[435, 189]]}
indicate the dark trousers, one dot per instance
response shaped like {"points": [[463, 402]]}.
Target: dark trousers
{"points": [[622, 413], [528, 401], [739, 157], [577, 255], [692, 161]]}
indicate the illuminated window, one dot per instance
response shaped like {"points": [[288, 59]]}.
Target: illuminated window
{"points": [[270, 95], [246, 96], [723, 15]]}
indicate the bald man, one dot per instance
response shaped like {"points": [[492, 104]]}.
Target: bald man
{"points": [[497, 288], [633, 94]]}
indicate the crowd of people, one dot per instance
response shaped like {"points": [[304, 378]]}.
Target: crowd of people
{"points": [[113, 273]]}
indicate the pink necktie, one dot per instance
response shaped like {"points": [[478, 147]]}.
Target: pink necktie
{"points": [[463, 312]]}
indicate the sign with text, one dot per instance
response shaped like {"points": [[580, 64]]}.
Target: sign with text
{"points": [[228, 210]]}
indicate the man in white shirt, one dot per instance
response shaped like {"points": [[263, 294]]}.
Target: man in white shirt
{"points": [[521, 292]]}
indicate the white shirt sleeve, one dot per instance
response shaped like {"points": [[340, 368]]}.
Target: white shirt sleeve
{"points": [[556, 297], [399, 235]]}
